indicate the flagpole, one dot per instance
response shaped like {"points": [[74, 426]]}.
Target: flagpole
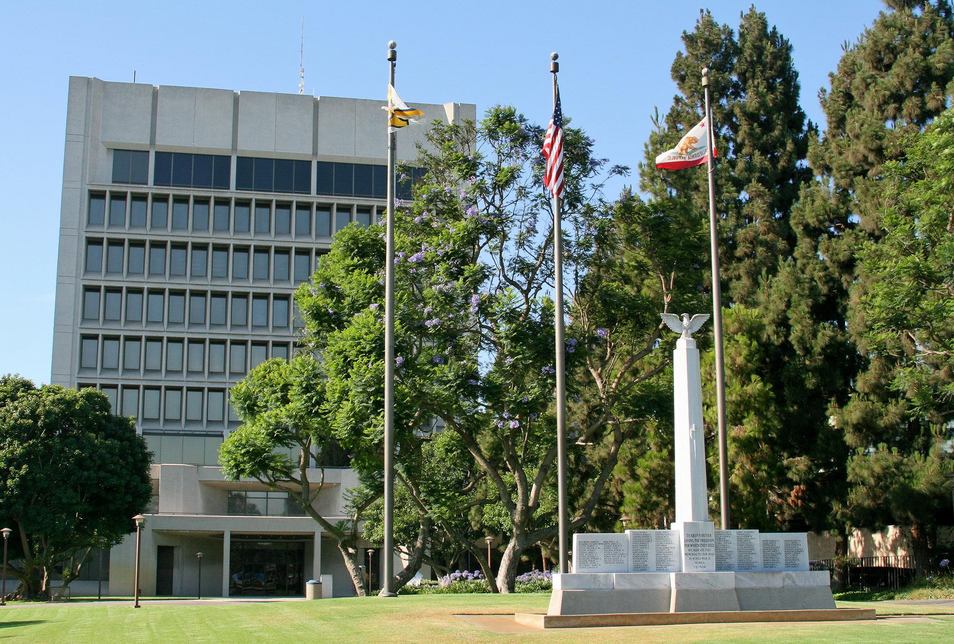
{"points": [[388, 550], [560, 357], [717, 313]]}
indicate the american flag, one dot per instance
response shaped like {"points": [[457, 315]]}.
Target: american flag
{"points": [[553, 150]]}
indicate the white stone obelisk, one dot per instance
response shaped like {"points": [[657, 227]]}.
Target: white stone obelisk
{"points": [[692, 503], [692, 499]]}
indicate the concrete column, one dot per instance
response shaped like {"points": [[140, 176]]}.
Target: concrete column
{"points": [[691, 493], [226, 560], [316, 557]]}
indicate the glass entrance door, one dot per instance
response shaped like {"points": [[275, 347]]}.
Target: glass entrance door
{"points": [[266, 567]]}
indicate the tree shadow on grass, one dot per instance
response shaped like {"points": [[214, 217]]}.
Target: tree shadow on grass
{"points": [[22, 622]]}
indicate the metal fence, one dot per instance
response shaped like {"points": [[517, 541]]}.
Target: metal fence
{"points": [[888, 572]]}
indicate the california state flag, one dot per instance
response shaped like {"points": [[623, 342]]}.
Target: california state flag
{"points": [[689, 152]]}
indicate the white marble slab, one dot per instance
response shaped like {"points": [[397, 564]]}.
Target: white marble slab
{"points": [[668, 551], [795, 551], [726, 552], [698, 545], [748, 549], [641, 581], [600, 552], [642, 550], [583, 581], [773, 551]]}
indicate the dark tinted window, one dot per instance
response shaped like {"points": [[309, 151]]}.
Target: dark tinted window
{"points": [[137, 212], [258, 355], [91, 304], [196, 356], [177, 261], [243, 173], [160, 213], [88, 350], [220, 262], [200, 216], [380, 173], [133, 306], [303, 177], [94, 257], [221, 171], [137, 259], [220, 221], [202, 171], [242, 216], [240, 264], [217, 310], [344, 179], [131, 351], [363, 180], [284, 175], [176, 308], [117, 211], [302, 220], [216, 357], [326, 178], [342, 217], [153, 355], [302, 266], [280, 312], [237, 358], [110, 353], [162, 172], [263, 218], [283, 219], [200, 259], [97, 210], [281, 268], [113, 308], [260, 265], [174, 355], [180, 214], [263, 170], [154, 304], [323, 221], [197, 309], [363, 217], [114, 257], [130, 166], [181, 169], [239, 310], [259, 311], [157, 258]]}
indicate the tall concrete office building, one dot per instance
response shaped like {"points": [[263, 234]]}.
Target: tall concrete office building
{"points": [[188, 218]]}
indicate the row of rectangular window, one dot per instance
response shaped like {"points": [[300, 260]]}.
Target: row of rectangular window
{"points": [[173, 355], [259, 174], [166, 403], [261, 217], [197, 261], [205, 310]]}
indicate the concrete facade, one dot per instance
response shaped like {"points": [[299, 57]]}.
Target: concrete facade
{"points": [[188, 218]]}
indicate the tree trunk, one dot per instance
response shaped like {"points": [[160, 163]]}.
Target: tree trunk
{"points": [[507, 574], [416, 556], [354, 569]]}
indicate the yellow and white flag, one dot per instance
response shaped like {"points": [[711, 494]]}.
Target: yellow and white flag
{"points": [[400, 115], [690, 151]]}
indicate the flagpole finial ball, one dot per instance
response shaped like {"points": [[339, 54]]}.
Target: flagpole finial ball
{"points": [[554, 56], [392, 44]]}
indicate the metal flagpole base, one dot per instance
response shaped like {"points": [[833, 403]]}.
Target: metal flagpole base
{"points": [[387, 593]]}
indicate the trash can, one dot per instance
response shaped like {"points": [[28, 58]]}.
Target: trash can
{"points": [[312, 589]]}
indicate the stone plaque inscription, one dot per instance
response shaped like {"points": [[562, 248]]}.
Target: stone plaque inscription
{"points": [[600, 552]]}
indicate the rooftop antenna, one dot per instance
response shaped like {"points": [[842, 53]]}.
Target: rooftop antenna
{"points": [[134, 75], [301, 60]]}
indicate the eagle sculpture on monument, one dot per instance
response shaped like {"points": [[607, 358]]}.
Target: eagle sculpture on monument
{"points": [[685, 326]]}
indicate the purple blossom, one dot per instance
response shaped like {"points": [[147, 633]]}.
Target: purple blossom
{"points": [[418, 219], [524, 400], [417, 257], [398, 361], [474, 301], [548, 370], [571, 345], [506, 414], [500, 424], [463, 193], [514, 424], [374, 306], [602, 332], [438, 359], [472, 382], [433, 322], [944, 563], [534, 416], [471, 211]]}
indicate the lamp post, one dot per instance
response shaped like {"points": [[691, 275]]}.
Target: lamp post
{"points": [[99, 584], [3, 593], [490, 562], [198, 557], [370, 553], [139, 519]]}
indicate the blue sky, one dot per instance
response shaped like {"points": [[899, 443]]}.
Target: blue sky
{"points": [[615, 59]]}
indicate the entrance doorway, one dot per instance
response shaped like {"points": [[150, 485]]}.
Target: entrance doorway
{"points": [[165, 561], [266, 567]]}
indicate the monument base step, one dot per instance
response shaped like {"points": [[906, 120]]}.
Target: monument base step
{"points": [[538, 620]]}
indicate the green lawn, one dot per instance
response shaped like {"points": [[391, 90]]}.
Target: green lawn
{"points": [[423, 618]]}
